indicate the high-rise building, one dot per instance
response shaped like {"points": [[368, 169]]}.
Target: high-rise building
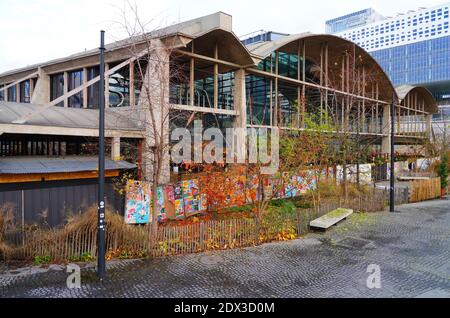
{"points": [[413, 47], [353, 20]]}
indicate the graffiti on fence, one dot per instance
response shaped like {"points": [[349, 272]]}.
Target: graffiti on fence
{"points": [[161, 204], [191, 197], [298, 184], [173, 201], [138, 198], [365, 173]]}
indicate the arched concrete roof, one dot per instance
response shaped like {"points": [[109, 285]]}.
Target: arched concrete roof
{"points": [[430, 103], [336, 45], [230, 47]]}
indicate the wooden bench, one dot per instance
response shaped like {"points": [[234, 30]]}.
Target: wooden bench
{"points": [[330, 219]]}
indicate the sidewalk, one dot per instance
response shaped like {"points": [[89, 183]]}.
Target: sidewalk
{"points": [[411, 247]]}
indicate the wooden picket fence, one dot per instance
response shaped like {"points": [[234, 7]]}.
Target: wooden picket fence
{"points": [[422, 190], [138, 241]]}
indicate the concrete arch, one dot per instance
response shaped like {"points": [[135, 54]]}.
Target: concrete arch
{"points": [[337, 46], [406, 91], [229, 47]]}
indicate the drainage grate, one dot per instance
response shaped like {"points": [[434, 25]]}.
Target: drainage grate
{"points": [[354, 242]]}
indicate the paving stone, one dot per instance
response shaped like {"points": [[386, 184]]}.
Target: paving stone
{"points": [[411, 248]]}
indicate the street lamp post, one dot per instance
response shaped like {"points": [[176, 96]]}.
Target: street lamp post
{"points": [[392, 177], [101, 226]]}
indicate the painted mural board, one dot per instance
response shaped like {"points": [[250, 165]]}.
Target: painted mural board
{"points": [[161, 204], [191, 196], [137, 204]]}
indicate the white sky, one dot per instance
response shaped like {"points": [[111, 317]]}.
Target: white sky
{"points": [[33, 31]]}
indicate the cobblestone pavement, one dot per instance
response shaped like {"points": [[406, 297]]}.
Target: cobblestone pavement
{"points": [[411, 247]]}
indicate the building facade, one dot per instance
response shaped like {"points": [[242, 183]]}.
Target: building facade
{"points": [[197, 69], [353, 20], [413, 48]]}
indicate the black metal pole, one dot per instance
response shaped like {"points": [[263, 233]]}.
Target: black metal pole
{"points": [[392, 186], [101, 268]]}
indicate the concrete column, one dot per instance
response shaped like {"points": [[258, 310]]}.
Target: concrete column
{"points": [[41, 92], [115, 148], [156, 126], [18, 93], [106, 86], [31, 88], [240, 105], [428, 120], [216, 77], [66, 88], [386, 125], [132, 82], [85, 90]]}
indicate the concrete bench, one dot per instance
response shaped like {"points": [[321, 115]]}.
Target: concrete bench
{"points": [[407, 178], [331, 218]]}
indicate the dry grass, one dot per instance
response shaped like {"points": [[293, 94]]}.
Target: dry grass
{"points": [[76, 240], [6, 224]]}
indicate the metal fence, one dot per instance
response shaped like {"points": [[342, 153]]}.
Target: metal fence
{"points": [[52, 202]]}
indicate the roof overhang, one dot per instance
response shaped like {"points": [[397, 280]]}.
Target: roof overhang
{"points": [[64, 121], [180, 32], [404, 91], [336, 45], [33, 164]]}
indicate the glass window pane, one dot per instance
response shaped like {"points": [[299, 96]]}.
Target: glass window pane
{"points": [[57, 87], [119, 87], [75, 80], [93, 90]]}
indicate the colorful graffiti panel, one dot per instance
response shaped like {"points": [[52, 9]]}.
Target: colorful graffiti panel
{"points": [[191, 196], [138, 199]]}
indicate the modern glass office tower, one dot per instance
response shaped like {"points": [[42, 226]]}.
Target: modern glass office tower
{"points": [[353, 20], [413, 47]]}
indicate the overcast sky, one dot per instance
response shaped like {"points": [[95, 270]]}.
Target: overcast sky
{"points": [[33, 31]]}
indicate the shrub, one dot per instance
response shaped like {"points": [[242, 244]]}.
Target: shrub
{"points": [[7, 221], [443, 171]]}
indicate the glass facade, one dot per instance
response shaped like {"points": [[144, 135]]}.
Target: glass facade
{"points": [[288, 65], [57, 87], [2, 93], [415, 26], [262, 36], [12, 96], [92, 90], [413, 48], [225, 91], [119, 87], [140, 69], [258, 91], [352, 20], [204, 89], [421, 62], [25, 95], [75, 79], [288, 101], [259, 88]]}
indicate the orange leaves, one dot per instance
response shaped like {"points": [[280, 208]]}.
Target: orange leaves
{"points": [[224, 188], [122, 253]]}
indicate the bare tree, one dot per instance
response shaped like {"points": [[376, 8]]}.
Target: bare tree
{"points": [[153, 73], [348, 112]]}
